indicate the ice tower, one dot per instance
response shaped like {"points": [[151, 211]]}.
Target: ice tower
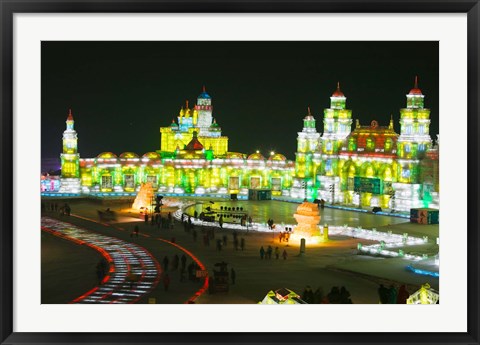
{"points": [[70, 159]]}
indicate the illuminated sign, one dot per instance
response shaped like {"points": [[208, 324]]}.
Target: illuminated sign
{"points": [[367, 185]]}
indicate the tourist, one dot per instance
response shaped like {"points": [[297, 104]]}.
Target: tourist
{"points": [[269, 252], [277, 253], [262, 252], [307, 295], [183, 260], [233, 275], [284, 254], [392, 295], [220, 221], [318, 296], [344, 296], [176, 261], [146, 218], [136, 230], [165, 263], [67, 209], [100, 272], [383, 294], [403, 295]]}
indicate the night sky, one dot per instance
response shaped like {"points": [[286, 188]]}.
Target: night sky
{"points": [[121, 93]]}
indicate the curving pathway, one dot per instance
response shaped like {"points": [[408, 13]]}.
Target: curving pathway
{"points": [[124, 259]]}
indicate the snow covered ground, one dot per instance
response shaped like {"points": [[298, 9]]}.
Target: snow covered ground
{"points": [[334, 263]]}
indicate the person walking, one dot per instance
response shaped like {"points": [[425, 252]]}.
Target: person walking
{"points": [[220, 221], [166, 281], [284, 254], [277, 253], [176, 261], [136, 230], [383, 294], [183, 260], [392, 295], [262, 252], [233, 275], [165, 263], [402, 295], [146, 218], [269, 252]]}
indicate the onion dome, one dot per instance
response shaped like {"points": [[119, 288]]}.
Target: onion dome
{"points": [[151, 155], [129, 155], [416, 90], [70, 116], [256, 157], [107, 155], [194, 144], [173, 124], [204, 94], [338, 92], [277, 157], [236, 155]]}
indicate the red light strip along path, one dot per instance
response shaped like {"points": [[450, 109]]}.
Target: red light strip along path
{"points": [[189, 253], [124, 259]]}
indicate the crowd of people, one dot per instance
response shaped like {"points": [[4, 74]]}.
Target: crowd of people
{"points": [[160, 221], [335, 296], [267, 253], [63, 210]]}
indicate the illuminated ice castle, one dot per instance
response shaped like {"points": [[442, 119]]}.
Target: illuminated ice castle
{"points": [[369, 166], [193, 159]]}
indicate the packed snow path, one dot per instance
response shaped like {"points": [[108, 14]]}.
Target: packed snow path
{"points": [[132, 271]]}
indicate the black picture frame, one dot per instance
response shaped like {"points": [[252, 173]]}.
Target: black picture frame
{"points": [[10, 7]]}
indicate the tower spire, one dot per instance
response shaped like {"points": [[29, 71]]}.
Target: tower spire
{"points": [[70, 116], [309, 110], [203, 88], [416, 82]]}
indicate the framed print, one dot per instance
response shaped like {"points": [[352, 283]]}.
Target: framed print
{"points": [[239, 172]]}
